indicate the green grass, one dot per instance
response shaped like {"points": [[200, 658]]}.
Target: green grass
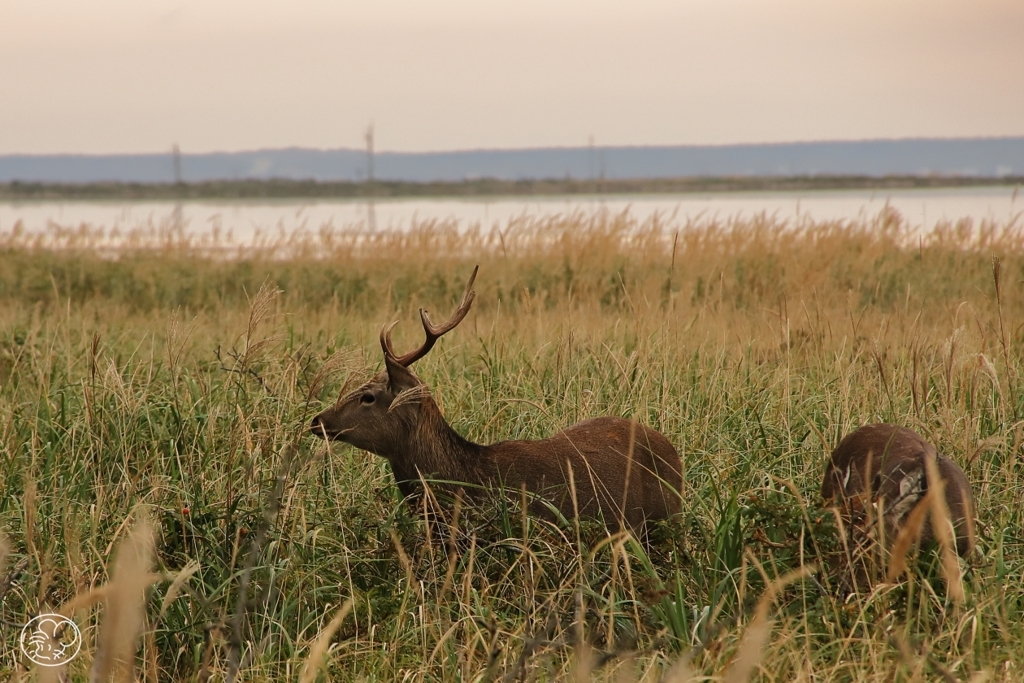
{"points": [[163, 382]]}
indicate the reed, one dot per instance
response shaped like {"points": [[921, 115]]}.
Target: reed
{"points": [[180, 375]]}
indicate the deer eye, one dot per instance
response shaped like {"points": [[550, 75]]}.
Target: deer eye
{"points": [[367, 398]]}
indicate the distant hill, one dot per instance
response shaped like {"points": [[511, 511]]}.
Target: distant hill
{"points": [[981, 157]]}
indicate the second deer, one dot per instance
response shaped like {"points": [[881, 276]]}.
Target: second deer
{"points": [[607, 467], [887, 465]]}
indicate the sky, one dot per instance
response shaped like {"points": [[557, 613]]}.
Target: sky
{"points": [[132, 76]]}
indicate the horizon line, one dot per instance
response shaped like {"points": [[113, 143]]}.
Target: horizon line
{"points": [[361, 150]]}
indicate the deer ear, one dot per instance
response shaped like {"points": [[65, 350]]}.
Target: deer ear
{"points": [[400, 377]]}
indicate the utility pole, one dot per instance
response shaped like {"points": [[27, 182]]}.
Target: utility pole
{"points": [[177, 216], [590, 160], [176, 154], [369, 153], [371, 216]]}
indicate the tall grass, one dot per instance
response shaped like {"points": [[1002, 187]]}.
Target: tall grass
{"points": [[170, 379]]}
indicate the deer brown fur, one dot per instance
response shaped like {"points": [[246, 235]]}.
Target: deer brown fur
{"points": [[886, 464], [621, 471]]}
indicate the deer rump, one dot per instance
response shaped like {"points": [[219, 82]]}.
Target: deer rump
{"points": [[617, 470]]}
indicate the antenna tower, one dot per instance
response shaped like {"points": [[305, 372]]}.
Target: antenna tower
{"points": [[371, 216]]}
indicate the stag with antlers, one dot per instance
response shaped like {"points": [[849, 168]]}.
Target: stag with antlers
{"points": [[607, 467]]}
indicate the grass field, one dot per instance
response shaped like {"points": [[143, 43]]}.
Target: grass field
{"points": [[153, 412]]}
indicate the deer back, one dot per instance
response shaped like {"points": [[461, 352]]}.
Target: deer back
{"points": [[617, 469]]}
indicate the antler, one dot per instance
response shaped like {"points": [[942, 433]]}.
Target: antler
{"points": [[433, 332]]}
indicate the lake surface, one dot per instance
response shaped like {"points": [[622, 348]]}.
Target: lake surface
{"points": [[243, 220]]}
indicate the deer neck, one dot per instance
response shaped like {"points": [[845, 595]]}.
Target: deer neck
{"points": [[436, 451]]}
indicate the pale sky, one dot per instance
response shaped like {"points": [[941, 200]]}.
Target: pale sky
{"points": [[122, 76]]}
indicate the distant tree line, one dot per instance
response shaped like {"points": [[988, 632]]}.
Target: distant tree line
{"points": [[482, 187]]}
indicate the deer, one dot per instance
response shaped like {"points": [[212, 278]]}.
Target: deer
{"points": [[887, 465], [607, 468]]}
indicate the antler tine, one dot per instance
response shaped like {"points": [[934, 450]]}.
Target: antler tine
{"points": [[385, 339], [457, 316], [433, 332]]}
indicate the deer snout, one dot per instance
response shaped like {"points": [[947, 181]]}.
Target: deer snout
{"points": [[325, 425], [319, 428]]}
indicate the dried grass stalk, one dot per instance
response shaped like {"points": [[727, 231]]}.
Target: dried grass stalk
{"points": [[942, 527], [315, 661], [338, 361], [680, 672], [749, 654], [179, 580], [908, 535], [416, 393], [5, 552], [125, 606], [260, 307]]}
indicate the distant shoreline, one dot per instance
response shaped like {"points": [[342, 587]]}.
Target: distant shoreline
{"points": [[485, 187]]}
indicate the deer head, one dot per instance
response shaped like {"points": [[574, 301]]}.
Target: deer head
{"points": [[383, 415]]}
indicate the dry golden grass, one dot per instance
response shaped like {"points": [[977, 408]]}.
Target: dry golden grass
{"points": [[180, 376]]}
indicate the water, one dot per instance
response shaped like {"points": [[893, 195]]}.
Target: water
{"points": [[243, 220]]}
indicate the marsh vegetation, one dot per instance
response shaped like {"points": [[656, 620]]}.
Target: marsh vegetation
{"points": [[162, 392]]}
